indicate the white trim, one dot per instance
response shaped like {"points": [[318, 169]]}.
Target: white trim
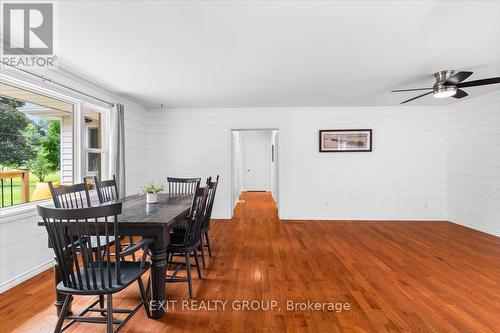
{"points": [[25, 276]]}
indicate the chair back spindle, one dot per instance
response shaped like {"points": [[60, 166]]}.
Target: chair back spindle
{"points": [[70, 196], [182, 186], [107, 190]]}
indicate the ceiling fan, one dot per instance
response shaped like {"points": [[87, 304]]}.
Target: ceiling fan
{"points": [[448, 84]]}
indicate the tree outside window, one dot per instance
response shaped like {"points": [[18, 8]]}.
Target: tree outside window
{"points": [[27, 142]]}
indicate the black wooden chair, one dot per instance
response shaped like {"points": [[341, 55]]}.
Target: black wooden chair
{"points": [[182, 186], [107, 191], [77, 196], [88, 273], [185, 242], [205, 240]]}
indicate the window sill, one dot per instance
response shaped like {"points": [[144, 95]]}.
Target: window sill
{"points": [[29, 209], [20, 211]]}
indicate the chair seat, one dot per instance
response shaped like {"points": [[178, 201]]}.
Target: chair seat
{"points": [[177, 237], [177, 242], [129, 272]]}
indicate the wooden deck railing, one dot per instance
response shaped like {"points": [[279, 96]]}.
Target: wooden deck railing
{"points": [[5, 176]]}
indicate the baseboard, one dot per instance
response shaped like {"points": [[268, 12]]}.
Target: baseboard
{"points": [[25, 276], [236, 204], [232, 211], [478, 228], [220, 220]]}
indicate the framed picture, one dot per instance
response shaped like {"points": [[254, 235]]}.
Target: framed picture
{"points": [[350, 140]]}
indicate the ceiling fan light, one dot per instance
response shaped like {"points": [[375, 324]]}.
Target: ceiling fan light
{"points": [[444, 91]]}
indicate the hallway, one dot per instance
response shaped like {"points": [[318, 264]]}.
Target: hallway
{"points": [[383, 277]]}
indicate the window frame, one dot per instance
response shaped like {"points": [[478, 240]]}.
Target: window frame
{"points": [[79, 145]]}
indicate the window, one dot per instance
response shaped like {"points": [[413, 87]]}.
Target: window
{"points": [[46, 138], [33, 134], [96, 148], [94, 137], [94, 162]]}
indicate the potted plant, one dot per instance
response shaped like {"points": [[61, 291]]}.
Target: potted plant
{"points": [[151, 191]]}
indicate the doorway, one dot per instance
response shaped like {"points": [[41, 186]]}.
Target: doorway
{"points": [[254, 163]]}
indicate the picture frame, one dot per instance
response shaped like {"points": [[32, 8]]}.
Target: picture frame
{"points": [[345, 140]]}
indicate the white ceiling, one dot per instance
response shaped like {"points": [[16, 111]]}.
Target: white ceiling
{"points": [[283, 53]]}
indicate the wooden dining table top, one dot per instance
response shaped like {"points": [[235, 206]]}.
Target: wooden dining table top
{"points": [[167, 210], [137, 213]]}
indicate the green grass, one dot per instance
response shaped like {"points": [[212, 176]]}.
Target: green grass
{"points": [[16, 188]]}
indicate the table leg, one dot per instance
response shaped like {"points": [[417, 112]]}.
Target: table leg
{"points": [[158, 271], [59, 297]]}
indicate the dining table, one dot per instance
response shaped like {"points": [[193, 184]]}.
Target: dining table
{"points": [[155, 221]]}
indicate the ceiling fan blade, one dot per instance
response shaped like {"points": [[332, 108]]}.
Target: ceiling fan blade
{"points": [[460, 94], [411, 99], [482, 82], [457, 78], [401, 90]]}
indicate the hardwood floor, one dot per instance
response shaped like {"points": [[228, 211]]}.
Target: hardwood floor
{"points": [[395, 277]]}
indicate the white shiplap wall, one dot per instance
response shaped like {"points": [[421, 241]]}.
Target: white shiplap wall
{"points": [[473, 163], [135, 143], [23, 245], [402, 179]]}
